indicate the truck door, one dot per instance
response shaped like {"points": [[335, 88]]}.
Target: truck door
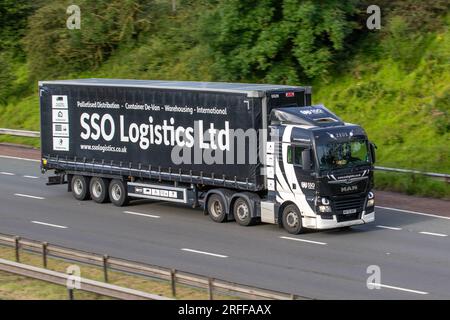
{"points": [[293, 181]]}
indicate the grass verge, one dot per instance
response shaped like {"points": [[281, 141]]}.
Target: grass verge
{"points": [[412, 184], [22, 288], [25, 141]]}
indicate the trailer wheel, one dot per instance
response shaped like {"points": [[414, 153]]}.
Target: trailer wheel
{"points": [[118, 193], [242, 212], [80, 187], [292, 219], [99, 189], [216, 208]]}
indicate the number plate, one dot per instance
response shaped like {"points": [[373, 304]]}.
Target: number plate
{"points": [[349, 211]]}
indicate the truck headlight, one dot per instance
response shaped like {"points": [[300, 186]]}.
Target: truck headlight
{"points": [[325, 201], [324, 209], [371, 200]]}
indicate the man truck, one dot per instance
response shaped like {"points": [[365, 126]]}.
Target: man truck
{"points": [[245, 152]]}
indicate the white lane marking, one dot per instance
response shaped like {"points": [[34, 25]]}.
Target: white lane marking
{"points": [[7, 173], [375, 285], [433, 234], [142, 214], [18, 158], [28, 196], [49, 224], [415, 212], [304, 240], [390, 228], [31, 177], [207, 253]]}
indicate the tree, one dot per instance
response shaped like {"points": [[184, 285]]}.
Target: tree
{"points": [[277, 41], [53, 50], [13, 20]]}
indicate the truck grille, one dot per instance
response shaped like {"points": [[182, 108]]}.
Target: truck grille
{"points": [[339, 205], [348, 203], [347, 217]]}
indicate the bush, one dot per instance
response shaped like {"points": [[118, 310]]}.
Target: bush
{"points": [[54, 51], [277, 41], [6, 78]]}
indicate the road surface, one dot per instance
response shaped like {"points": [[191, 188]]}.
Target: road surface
{"points": [[411, 250]]}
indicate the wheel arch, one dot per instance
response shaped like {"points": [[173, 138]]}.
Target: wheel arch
{"points": [[226, 196], [281, 208], [251, 198]]}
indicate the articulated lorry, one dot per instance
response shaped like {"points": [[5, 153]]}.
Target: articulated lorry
{"points": [[245, 152]]}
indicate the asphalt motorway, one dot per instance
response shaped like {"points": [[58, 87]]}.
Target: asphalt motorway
{"points": [[411, 251]]}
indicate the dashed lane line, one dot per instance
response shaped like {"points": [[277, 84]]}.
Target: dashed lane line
{"points": [[49, 224], [304, 240], [142, 214], [205, 253], [28, 196]]}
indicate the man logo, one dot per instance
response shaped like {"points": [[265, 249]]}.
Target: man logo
{"points": [[349, 188]]}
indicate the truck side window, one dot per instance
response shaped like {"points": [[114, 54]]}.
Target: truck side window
{"points": [[294, 155], [290, 154], [298, 155]]}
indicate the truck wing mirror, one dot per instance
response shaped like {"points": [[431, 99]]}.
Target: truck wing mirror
{"points": [[306, 159], [372, 151]]}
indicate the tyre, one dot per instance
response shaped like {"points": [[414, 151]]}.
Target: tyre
{"points": [[118, 193], [216, 208], [80, 187], [243, 212], [292, 219], [98, 188]]}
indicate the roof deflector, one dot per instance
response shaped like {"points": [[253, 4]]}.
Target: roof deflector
{"points": [[317, 116]]}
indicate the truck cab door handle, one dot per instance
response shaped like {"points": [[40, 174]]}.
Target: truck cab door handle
{"points": [[294, 186]]}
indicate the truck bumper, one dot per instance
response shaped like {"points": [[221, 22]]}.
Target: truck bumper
{"points": [[321, 224]]}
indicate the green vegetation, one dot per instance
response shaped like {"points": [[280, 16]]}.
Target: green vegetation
{"points": [[394, 81], [13, 287]]}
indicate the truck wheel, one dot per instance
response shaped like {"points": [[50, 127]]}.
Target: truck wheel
{"points": [[292, 219], [242, 212], [99, 189], [216, 208], [118, 193], [80, 187]]}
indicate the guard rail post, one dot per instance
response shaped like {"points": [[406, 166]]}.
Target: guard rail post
{"points": [[173, 282], [17, 248], [105, 267], [44, 254]]}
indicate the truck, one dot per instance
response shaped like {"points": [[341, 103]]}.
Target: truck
{"points": [[250, 153]]}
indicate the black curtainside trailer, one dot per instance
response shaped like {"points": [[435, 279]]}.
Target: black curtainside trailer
{"points": [[220, 145], [131, 128]]}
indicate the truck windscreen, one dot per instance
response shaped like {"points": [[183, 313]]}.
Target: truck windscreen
{"points": [[338, 155]]}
